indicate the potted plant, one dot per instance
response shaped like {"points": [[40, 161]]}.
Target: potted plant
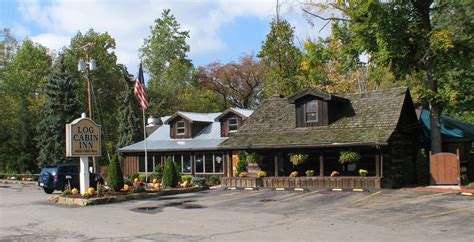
{"points": [[348, 159], [363, 172], [309, 173], [298, 158]]}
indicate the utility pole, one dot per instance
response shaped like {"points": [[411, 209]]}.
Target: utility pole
{"points": [[88, 66]]}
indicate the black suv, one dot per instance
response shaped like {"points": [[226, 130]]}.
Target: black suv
{"points": [[58, 176]]}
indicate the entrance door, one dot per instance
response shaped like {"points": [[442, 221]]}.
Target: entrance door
{"points": [[444, 169]]}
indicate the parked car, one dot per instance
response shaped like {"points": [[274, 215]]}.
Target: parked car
{"points": [[61, 176]]}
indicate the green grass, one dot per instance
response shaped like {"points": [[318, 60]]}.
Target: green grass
{"points": [[471, 184]]}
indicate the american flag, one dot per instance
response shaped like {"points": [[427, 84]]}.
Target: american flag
{"points": [[139, 89]]}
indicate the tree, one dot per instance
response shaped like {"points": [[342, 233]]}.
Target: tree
{"points": [[60, 107], [281, 60], [107, 80], [8, 47], [130, 127], [170, 174], [417, 38], [21, 94], [164, 56], [115, 176], [237, 84]]}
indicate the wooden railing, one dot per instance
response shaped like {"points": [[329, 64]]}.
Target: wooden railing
{"points": [[302, 182]]}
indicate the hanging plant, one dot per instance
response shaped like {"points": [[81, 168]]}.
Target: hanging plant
{"points": [[348, 157], [298, 158], [253, 158]]}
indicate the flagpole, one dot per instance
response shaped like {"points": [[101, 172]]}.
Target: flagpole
{"points": [[146, 155]]}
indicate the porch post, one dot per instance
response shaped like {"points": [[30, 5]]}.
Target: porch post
{"points": [[321, 164], [276, 164], [225, 164], [377, 164], [193, 163], [229, 165]]}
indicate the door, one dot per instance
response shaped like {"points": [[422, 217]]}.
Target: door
{"points": [[444, 169]]}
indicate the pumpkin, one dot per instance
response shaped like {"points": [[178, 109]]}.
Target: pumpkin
{"points": [[136, 180], [74, 191], [125, 188], [157, 185], [91, 191], [155, 181], [185, 184], [294, 174]]}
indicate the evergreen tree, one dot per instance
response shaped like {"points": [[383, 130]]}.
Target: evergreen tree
{"points": [[281, 60], [130, 127], [60, 107], [170, 174], [115, 176], [164, 55]]}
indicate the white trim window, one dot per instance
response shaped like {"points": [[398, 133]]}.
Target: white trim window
{"points": [[311, 111], [180, 128], [233, 124]]}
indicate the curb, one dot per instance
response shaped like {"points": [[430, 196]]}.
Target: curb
{"points": [[120, 198], [17, 182], [466, 194]]}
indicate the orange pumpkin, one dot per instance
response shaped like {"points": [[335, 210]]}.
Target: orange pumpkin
{"points": [[155, 181], [157, 185], [91, 191], [125, 188], [185, 184]]}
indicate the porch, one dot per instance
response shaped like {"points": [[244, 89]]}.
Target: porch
{"points": [[348, 182]]}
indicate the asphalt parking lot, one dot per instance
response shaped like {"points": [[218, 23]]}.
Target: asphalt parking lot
{"points": [[386, 215]]}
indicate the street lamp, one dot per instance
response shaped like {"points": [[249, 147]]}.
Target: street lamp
{"points": [[88, 66]]}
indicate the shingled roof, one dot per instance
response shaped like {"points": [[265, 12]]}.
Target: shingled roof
{"points": [[369, 118]]}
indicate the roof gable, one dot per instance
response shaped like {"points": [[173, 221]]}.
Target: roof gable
{"points": [[193, 117], [243, 113], [311, 92]]}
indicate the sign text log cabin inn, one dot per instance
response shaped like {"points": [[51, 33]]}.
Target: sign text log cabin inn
{"points": [[83, 138]]}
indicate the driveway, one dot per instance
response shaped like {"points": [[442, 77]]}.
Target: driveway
{"points": [[387, 215]]}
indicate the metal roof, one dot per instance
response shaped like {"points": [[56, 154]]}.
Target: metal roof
{"points": [[244, 112], [207, 139]]}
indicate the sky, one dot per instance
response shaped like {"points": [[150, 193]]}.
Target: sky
{"points": [[220, 30]]}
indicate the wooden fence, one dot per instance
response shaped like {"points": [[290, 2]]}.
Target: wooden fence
{"points": [[302, 182]]}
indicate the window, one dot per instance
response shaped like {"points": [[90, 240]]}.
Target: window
{"points": [[141, 164], [218, 163], [311, 111], [180, 128], [199, 163], [208, 164], [186, 167], [233, 124]]}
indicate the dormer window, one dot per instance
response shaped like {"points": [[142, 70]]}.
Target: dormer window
{"points": [[233, 124], [311, 111], [180, 128]]}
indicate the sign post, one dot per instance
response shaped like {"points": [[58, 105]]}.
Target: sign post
{"points": [[83, 139]]}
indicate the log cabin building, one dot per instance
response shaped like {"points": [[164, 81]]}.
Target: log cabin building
{"points": [[190, 139], [381, 126]]}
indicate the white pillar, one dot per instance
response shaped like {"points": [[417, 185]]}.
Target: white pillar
{"points": [[84, 174]]}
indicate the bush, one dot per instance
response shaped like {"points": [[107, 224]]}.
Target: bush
{"points": [[198, 181], [242, 164], [142, 178], [115, 176], [187, 178], [261, 174], [170, 174], [309, 173], [136, 175], [214, 180], [158, 172]]}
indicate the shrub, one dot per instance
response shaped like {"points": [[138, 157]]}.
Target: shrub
{"points": [[115, 176], [241, 166], [187, 178], [198, 181], [261, 174], [214, 180], [136, 175], [142, 178], [348, 156], [158, 172], [170, 174], [363, 172], [309, 173]]}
